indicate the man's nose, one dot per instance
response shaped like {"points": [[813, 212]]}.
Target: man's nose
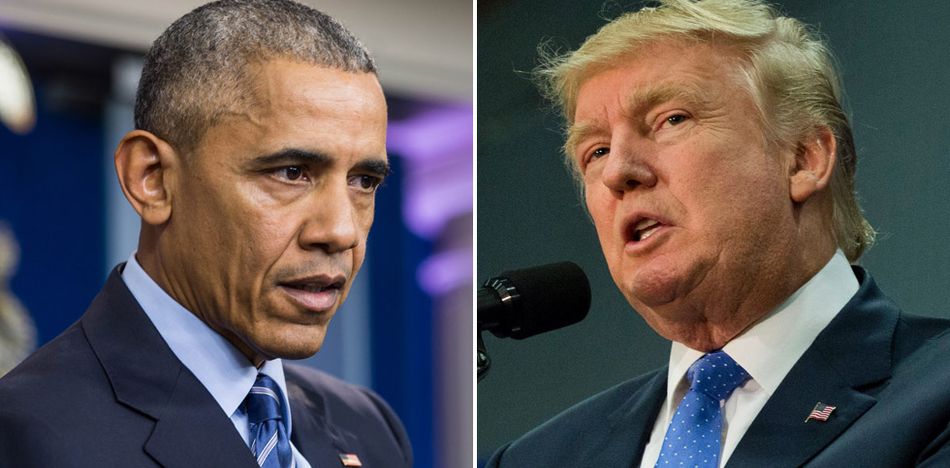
{"points": [[627, 166], [332, 225]]}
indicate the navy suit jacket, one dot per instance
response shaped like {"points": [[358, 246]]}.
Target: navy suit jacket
{"points": [[886, 372], [109, 392]]}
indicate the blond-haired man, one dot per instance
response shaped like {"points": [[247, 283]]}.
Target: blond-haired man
{"points": [[718, 167]]}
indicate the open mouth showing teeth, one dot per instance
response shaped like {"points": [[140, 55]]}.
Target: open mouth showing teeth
{"points": [[645, 228]]}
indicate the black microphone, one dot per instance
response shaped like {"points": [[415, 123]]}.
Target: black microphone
{"points": [[523, 303]]}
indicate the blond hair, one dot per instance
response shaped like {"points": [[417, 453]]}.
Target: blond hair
{"points": [[789, 71]]}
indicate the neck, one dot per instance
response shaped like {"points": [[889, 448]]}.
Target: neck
{"points": [[714, 314]]}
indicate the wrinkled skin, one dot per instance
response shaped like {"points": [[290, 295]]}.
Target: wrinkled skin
{"points": [[672, 135]]}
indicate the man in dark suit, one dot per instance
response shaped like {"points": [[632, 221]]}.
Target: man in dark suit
{"points": [[259, 144], [718, 167]]}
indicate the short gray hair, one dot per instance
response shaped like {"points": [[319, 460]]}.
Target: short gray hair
{"points": [[791, 76], [196, 71]]}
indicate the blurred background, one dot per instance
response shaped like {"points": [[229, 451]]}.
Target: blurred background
{"points": [[895, 74], [68, 74]]}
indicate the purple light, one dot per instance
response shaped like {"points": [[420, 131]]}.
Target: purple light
{"points": [[437, 148], [444, 271], [434, 132]]}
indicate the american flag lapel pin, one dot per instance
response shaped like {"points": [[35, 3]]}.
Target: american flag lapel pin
{"points": [[821, 412], [350, 459]]}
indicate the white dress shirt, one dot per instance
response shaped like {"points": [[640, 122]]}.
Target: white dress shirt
{"points": [[767, 351], [216, 363]]}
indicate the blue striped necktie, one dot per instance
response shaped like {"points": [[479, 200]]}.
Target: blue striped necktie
{"points": [[270, 442], [694, 437]]}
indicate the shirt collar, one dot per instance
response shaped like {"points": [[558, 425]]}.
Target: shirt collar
{"points": [[769, 349], [216, 363]]}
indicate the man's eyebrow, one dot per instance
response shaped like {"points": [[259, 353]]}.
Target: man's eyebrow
{"points": [[642, 100], [291, 156], [296, 156], [638, 102], [577, 133], [377, 167]]}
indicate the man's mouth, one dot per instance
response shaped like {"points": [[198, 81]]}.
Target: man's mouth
{"points": [[645, 228], [310, 287], [318, 294]]}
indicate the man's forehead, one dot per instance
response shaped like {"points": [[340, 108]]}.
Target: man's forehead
{"points": [[659, 66], [288, 103], [283, 88], [285, 71], [637, 96], [662, 71]]}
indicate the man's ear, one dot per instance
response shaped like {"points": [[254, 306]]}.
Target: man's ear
{"points": [[143, 163], [813, 165]]}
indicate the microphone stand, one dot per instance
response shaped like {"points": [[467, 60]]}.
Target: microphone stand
{"points": [[482, 360], [495, 294]]}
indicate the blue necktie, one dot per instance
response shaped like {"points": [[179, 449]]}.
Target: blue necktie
{"points": [[694, 437], [269, 440]]}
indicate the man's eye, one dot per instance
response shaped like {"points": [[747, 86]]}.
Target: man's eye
{"points": [[292, 173], [366, 183], [676, 119], [600, 152]]}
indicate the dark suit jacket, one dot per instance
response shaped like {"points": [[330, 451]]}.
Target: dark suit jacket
{"points": [[109, 392], [886, 372]]}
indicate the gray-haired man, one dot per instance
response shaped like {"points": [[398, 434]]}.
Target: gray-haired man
{"points": [[259, 144]]}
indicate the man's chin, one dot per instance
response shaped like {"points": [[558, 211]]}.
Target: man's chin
{"points": [[664, 281], [299, 343], [652, 288], [299, 353]]}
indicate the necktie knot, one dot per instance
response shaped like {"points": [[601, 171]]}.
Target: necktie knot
{"points": [[694, 437], [263, 401], [716, 375]]}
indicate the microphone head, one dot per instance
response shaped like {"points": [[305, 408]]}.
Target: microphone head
{"points": [[546, 298]]}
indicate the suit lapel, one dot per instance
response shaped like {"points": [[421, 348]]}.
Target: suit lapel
{"points": [[193, 431], [630, 425], [190, 428], [319, 442], [780, 432], [841, 368]]}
